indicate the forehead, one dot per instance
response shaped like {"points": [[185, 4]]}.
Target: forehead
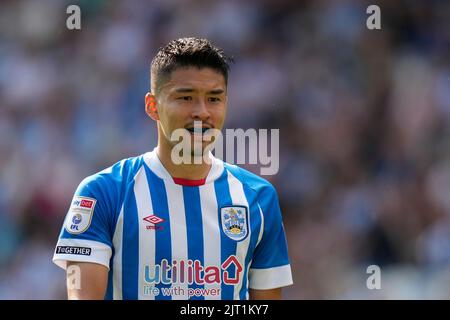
{"points": [[195, 78]]}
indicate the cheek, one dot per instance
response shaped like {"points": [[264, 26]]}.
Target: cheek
{"points": [[174, 118], [168, 113], [219, 114]]}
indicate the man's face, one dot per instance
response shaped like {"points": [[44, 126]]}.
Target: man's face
{"points": [[190, 95]]}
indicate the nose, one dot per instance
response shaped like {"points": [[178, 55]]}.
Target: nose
{"points": [[200, 111]]}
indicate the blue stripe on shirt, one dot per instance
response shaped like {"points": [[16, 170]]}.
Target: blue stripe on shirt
{"points": [[130, 252], [194, 226], [255, 222], [163, 241], [228, 246]]}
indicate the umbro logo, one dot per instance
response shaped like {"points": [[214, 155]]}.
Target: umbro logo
{"points": [[154, 220]]}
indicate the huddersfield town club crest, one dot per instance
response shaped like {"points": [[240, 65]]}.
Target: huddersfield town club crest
{"points": [[234, 222]]}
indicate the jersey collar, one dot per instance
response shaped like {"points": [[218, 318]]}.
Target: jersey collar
{"points": [[154, 163]]}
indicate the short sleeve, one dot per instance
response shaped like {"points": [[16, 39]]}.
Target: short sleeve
{"points": [[270, 267], [86, 235]]}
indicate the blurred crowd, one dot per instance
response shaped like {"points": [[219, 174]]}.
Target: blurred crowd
{"points": [[364, 119]]}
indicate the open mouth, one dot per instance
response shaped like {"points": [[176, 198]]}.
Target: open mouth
{"points": [[197, 130]]}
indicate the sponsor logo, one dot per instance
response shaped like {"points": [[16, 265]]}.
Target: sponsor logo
{"points": [[190, 272], [86, 203], [154, 220], [80, 214], [234, 222], [82, 251]]}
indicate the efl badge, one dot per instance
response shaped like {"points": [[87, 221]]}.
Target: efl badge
{"points": [[234, 222], [80, 214]]}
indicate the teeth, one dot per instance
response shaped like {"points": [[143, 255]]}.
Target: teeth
{"points": [[194, 130]]}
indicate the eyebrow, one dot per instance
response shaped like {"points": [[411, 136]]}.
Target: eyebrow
{"points": [[184, 90], [190, 90], [216, 91]]}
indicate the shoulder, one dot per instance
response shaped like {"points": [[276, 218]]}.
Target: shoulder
{"points": [[257, 184], [114, 176]]}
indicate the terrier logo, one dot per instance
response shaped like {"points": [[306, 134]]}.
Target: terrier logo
{"points": [[234, 222]]}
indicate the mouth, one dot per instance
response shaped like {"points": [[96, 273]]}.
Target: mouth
{"points": [[197, 130]]}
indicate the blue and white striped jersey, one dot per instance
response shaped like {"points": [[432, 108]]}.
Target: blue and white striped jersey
{"points": [[161, 238]]}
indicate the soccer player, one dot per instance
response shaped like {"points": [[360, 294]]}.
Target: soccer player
{"points": [[149, 228]]}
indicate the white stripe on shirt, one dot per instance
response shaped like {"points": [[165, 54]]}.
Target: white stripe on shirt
{"points": [[117, 261], [238, 198], [146, 237], [211, 233], [175, 202]]}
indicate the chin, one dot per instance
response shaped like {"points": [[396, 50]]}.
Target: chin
{"points": [[198, 152]]}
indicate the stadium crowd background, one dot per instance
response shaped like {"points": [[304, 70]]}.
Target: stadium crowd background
{"points": [[364, 119]]}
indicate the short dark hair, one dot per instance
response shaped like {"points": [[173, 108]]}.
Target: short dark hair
{"points": [[186, 52]]}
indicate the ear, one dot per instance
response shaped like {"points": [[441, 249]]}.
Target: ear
{"points": [[150, 106]]}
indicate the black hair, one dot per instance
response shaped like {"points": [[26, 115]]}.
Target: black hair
{"points": [[186, 52]]}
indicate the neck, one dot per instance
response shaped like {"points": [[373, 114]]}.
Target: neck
{"points": [[183, 171]]}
